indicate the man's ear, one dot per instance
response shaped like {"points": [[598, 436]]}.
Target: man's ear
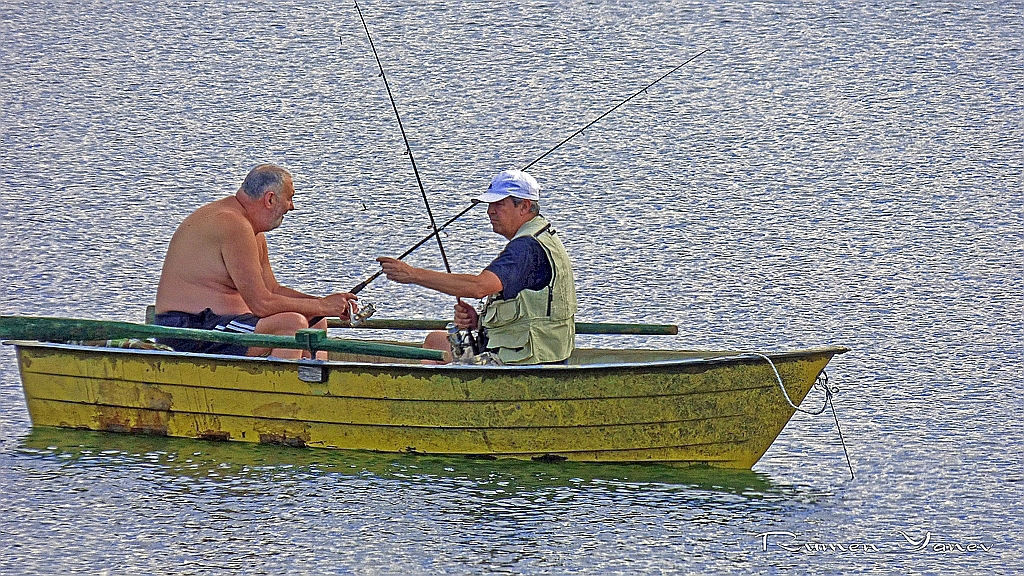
{"points": [[268, 200]]}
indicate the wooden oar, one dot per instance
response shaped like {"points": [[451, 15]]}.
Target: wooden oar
{"points": [[581, 327], [65, 329]]}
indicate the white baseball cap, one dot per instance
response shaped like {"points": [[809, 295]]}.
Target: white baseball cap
{"points": [[515, 183]]}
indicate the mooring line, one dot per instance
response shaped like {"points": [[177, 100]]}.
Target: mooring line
{"points": [[826, 404]]}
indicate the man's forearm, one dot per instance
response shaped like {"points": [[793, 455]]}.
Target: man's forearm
{"points": [[459, 285], [291, 293], [278, 303]]}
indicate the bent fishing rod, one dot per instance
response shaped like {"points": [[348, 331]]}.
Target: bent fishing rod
{"points": [[408, 148], [437, 229]]}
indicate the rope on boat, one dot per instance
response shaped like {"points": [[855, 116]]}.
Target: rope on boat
{"points": [[820, 382]]}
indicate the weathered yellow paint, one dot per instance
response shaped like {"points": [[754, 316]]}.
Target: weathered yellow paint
{"points": [[724, 412], [593, 411]]}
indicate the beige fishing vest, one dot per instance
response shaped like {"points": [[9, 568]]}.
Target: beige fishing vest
{"points": [[537, 325]]}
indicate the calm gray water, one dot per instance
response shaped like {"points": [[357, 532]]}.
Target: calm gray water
{"points": [[828, 173]]}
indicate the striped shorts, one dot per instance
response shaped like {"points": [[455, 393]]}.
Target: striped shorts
{"points": [[207, 320]]}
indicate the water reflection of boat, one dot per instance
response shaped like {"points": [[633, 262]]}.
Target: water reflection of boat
{"points": [[185, 457], [721, 409]]}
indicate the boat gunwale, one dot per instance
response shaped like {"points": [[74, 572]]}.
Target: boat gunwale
{"points": [[714, 357]]}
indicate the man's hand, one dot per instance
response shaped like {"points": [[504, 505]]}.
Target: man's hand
{"points": [[396, 270], [458, 285], [466, 317], [340, 304]]}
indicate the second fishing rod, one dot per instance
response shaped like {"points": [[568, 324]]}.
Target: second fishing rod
{"points": [[354, 316], [408, 148], [436, 233]]}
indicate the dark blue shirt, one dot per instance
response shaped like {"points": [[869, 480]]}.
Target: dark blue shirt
{"points": [[523, 264]]}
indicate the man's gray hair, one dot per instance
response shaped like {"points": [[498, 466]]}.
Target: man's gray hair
{"points": [[264, 178], [534, 204]]}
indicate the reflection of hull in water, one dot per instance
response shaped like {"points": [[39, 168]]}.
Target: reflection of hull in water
{"points": [[202, 460], [680, 408]]}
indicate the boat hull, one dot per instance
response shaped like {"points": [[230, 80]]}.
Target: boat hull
{"points": [[679, 408]]}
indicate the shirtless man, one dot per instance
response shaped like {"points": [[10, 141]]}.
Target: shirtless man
{"points": [[217, 274]]}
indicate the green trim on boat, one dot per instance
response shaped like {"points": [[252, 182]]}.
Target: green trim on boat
{"points": [[65, 329]]}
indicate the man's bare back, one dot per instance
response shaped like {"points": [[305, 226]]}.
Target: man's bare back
{"points": [[195, 276], [217, 259]]}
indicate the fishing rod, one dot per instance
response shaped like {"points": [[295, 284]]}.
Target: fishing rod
{"points": [[423, 241], [614, 108], [437, 230], [408, 148]]}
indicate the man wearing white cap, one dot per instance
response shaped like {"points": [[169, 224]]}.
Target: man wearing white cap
{"points": [[530, 314]]}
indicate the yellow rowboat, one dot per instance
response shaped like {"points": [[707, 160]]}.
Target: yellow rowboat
{"points": [[682, 408]]}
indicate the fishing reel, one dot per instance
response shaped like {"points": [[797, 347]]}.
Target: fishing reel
{"points": [[462, 343], [468, 349], [356, 318]]}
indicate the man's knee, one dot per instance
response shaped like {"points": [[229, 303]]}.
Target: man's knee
{"points": [[437, 340], [282, 323]]}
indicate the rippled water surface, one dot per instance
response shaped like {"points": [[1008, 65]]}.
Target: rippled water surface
{"points": [[826, 173]]}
